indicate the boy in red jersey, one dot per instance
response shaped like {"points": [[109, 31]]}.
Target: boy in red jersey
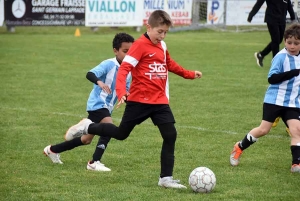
{"points": [[149, 62]]}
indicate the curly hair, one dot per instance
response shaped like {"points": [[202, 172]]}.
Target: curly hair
{"points": [[292, 31], [121, 38]]}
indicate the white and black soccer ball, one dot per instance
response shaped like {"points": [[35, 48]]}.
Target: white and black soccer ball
{"points": [[202, 180]]}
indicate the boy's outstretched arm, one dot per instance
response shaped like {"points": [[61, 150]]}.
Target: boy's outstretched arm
{"points": [[280, 77]]}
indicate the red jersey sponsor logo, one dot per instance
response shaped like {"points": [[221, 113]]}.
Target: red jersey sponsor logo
{"points": [[157, 71]]}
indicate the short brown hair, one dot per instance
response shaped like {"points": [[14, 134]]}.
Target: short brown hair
{"points": [[159, 17], [292, 31]]}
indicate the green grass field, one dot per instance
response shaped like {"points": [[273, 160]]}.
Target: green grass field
{"points": [[44, 91]]}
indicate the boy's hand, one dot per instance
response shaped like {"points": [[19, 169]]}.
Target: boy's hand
{"points": [[104, 87], [122, 100], [198, 74]]}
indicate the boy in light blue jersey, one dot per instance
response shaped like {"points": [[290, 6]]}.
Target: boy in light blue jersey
{"points": [[281, 99], [102, 97], [100, 104]]}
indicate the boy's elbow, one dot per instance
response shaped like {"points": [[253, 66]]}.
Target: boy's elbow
{"points": [[89, 75], [271, 81]]}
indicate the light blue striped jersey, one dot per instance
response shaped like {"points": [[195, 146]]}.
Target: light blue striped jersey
{"points": [[285, 93], [106, 71]]}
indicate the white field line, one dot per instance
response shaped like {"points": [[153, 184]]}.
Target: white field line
{"points": [[117, 119]]}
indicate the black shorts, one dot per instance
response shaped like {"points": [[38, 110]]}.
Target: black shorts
{"points": [[97, 115], [271, 112], [135, 113]]}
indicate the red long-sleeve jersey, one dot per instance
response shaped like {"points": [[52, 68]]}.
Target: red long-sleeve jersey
{"points": [[149, 65]]}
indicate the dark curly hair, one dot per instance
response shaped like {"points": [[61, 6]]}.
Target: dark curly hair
{"points": [[121, 38], [292, 31]]}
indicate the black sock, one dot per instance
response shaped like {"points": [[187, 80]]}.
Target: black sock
{"points": [[247, 141], [98, 153], [295, 150], [67, 145]]}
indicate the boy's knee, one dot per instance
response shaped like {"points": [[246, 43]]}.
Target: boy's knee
{"points": [[86, 141], [295, 131], [121, 137], [168, 132]]}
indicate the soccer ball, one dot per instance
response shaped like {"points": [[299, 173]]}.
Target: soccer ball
{"points": [[202, 180]]}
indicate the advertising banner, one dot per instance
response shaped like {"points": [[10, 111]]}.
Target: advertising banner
{"points": [[113, 13], [180, 11], [215, 12], [44, 12], [238, 11]]}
